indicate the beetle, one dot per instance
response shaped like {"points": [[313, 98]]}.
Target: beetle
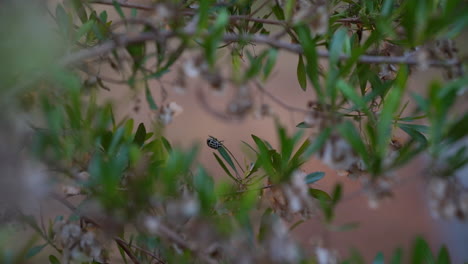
{"points": [[214, 143]]}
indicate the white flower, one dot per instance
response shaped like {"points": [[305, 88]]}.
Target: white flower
{"points": [[325, 256], [69, 234], [151, 223], [175, 108], [190, 69]]}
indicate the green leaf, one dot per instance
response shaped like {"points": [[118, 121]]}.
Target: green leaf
{"points": [[314, 177], [35, 250], [320, 195], [336, 46], [140, 135], [166, 144], [354, 97], [270, 63], [53, 259], [84, 29], [421, 252], [303, 125], [337, 193], [221, 163], [379, 259], [318, 142], [137, 51], [444, 256], [278, 11], [264, 156], [149, 98], [265, 223], [397, 257], [310, 52], [227, 158], [344, 227], [349, 132], [80, 10], [301, 74], [118, 8], [419, 128]]}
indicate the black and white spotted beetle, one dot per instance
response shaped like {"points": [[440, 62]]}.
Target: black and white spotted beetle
{"points": [[214, 143]]}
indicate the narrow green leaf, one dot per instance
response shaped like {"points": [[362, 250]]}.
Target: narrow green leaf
{"points": [[336, 46], [80, 10], [379, 259], [337, 193], [264, 156], [223, 166], [397, 257], [421, 252], [296, 225], [310, 52], [314, 177], [270, 63], [149, 98], [35, 250], [303, 125], [443, 256], [166, 144], [140, 135], [354, 97], [301, 74], [344, 227], [227, 158], [320, 195], [53, 259], [278, 11], [349, 132], [84, 29], [118, 8]]}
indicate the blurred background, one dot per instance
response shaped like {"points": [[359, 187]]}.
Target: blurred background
{"points": [[394, 224]]}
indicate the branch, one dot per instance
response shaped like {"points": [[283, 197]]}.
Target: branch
{"points": [[125, 40], [162, 230]]}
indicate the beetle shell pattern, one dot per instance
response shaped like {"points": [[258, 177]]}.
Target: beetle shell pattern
{"points": [[214, 143]]}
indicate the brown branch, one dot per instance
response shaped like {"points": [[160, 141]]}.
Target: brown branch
{"points": [[125, 40], [123, 4]]}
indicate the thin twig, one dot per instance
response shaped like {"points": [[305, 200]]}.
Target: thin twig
{"points": [[162, 230]]}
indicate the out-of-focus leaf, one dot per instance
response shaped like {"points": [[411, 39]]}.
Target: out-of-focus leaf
{"points": [[421, 252], [379, 259], [84, 29], [278, 11], [314, 177], [443, 256], [270, 63], [264, 224], [166, 143], [301, 74], [35, 250], [303, 125], [397, 257], [336, 197], [310, 52], [344, 227], [349, 132], [118, 8], [149, 98], [80, 10], [140, 135], [53, 259], [320, 195]]}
